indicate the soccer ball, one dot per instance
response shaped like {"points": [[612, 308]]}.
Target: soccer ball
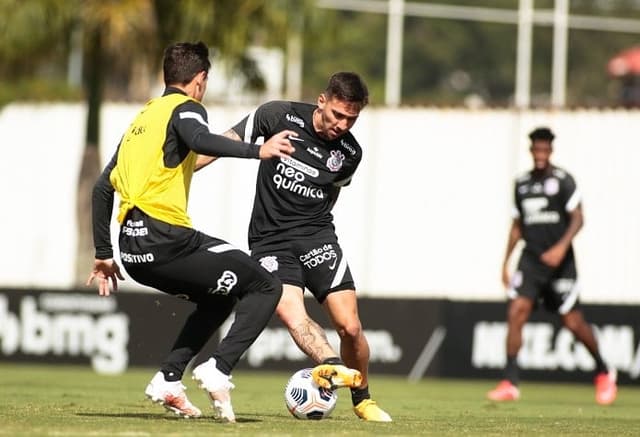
{"points": [[307, 400]]}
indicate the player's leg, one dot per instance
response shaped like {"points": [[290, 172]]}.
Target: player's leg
{"points": [[522, 293], [258, 293], [305, 332], [166, 388], [342, 308], [328, 277], [217, 272], [518, 313], [563, 298], [574, 321]]}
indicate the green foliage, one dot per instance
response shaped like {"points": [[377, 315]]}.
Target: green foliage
{"points": [[64, 400], [31, 28], [344, 41], [38, 90], [444, 61]]}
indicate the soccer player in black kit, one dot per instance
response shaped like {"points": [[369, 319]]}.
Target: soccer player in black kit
{"points": [[151, 171], [547, 216], [291, 232]]}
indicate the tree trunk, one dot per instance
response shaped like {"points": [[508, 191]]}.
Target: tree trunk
{"points": [[90, 167]]}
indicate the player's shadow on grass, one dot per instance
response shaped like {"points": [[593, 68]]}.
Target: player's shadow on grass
{"points": [[153, 416]]}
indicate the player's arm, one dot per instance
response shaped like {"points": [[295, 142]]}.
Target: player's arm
{"points": [[556, 253], [515, 234], [191, 125], [204, 160], [554, 256], [105, 269]]}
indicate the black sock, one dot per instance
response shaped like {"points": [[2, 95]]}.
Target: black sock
{"points": [[511, 371], [333, 360], [170, 375], [359, 394], [601, 367]]}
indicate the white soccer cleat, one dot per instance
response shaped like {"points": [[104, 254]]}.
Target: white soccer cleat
{"points": [[171, 395], [218, 387]]}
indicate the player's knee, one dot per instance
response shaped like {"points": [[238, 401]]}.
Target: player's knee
{"points": [[351, 329], [518, 314], [269, 286], [573, 321]]}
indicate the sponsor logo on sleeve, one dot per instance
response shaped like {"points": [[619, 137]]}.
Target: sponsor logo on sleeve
{"points": [[295, 119], [348, 147]]}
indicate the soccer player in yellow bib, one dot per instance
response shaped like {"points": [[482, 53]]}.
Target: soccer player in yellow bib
{"points": [[151, 171]]}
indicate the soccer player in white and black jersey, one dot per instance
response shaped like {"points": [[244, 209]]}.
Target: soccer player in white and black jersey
{"points": [[547, 215], [292, 234]]}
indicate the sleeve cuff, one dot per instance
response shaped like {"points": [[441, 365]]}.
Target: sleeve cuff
{"points": [[104, 252]]}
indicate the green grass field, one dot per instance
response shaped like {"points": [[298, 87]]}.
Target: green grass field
{"points": [[74, 401]]}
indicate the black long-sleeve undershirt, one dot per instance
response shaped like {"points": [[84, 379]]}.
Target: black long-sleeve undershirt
{"points": [[188, 125]]}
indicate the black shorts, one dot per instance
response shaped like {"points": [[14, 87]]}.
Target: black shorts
{"points": [[557, 289], [316, 263], [185, 262]]}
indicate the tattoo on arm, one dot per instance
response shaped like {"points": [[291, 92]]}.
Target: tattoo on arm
{"points": [[232, 134]]}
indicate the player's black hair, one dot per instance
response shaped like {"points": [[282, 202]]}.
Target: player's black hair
{"points": [[183, 60], [542, 133], [349, 87]]}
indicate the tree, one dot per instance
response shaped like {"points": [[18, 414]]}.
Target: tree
{"points": [[119, 35]]}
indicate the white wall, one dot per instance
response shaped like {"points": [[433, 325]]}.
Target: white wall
{"points": [[426, 215]]}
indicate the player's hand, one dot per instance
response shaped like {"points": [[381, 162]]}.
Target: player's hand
{"points": [[554, 255], [278, 145], [105, 270]]}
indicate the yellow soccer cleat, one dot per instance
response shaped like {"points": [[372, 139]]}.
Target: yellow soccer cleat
{"points": [[370, 411], [332, 376]]}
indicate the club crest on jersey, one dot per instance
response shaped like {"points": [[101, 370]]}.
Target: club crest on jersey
{"points": [[551, 186], [269, 263], [334, 163]]}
